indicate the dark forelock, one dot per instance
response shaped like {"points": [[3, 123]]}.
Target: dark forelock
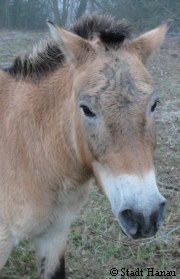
{"points": [[109, 30]]}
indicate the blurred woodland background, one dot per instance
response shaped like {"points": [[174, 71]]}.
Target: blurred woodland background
{"points": [[31, 14], [95, 242]]}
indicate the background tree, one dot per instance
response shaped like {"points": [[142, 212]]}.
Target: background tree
{"points": [[31, 14]]}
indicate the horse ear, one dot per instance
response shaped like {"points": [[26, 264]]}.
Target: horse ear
{"points": [[75, 49], [150, 41]]}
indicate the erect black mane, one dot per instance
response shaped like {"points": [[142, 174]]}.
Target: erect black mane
{"points": [[45, 61], [112, 33]]}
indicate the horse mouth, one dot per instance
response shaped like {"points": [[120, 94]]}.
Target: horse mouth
{"points": [[139, 233]]}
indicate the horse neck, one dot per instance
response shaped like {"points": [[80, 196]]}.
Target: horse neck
{"points": [[52, 111]]}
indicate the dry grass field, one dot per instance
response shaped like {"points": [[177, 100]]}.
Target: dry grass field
{"points": [[95, 242]]}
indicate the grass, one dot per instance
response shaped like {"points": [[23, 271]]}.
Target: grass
{"points": [[95, 242]]}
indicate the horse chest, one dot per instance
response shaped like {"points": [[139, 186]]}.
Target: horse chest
{"points": [[65, 208], [69, 203]]}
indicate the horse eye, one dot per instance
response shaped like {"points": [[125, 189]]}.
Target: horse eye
{"points": [[154, 106], [87, 111]]}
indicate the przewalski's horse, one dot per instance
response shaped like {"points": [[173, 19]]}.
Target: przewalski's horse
{"points": [[82, 107]]}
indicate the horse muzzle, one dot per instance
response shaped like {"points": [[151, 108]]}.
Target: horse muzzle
{"points": [[135, 200]]}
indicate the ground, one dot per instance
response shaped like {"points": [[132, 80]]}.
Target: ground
{"points": [[96, 244]]}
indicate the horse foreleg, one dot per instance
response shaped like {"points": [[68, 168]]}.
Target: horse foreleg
{"points": [[50, 249], [6, 244], [60, 271]]}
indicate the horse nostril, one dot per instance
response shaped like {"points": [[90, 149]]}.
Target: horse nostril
{"points": [[154, 219], [162, 205], [127, 215], [157, 217], [161, 214], [129, 221]]}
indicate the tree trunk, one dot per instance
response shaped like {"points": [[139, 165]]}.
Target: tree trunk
{"points": [[55, 10], [82, 8], [70, 12]]}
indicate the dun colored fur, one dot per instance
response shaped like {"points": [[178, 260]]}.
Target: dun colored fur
{"points": [[79, 108]]}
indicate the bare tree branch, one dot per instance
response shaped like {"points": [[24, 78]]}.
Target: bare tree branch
{"points": [[170, 12]]}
